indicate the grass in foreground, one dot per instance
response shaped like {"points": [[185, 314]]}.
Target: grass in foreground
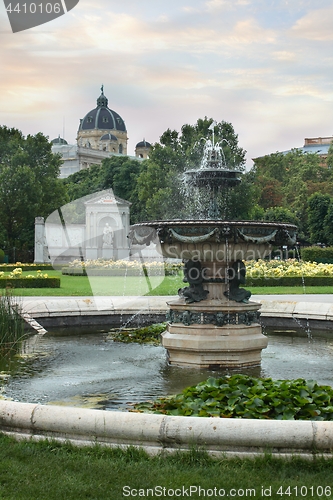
{"points": [[49, 470]]}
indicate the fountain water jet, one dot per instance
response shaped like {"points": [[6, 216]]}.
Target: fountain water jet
{"points": [[213, 324]]}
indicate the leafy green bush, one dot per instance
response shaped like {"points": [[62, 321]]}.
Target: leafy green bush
{"points": [[2, 256], [318, 254], [241, 396]]}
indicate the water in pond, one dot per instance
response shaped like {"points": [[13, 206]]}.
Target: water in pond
{"points": [[88, 370]]}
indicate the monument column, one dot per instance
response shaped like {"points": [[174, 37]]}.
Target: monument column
{"points": [[40, 241]]}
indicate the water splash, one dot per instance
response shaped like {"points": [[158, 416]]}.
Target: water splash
{"points": [[307, 328]]}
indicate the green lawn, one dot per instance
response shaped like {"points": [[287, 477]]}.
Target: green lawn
{"points": [[47, 470], [133, 285], [290, 290]]}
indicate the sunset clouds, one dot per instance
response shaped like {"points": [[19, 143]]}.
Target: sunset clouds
{"points": [[264, 65]]}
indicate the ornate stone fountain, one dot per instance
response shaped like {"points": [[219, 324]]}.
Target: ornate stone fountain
{"points": [[213, 323]]}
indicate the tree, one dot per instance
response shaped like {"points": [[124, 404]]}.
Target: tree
{"points": [[29, 184], [328, 224], [317, 211], [289, 180], [84, 182], [280, 214], [329, 159], [118, 173]]}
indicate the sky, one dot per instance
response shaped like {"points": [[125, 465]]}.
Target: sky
{"points": [[266, 66]]}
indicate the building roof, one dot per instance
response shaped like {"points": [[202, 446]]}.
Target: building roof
{"points": [[59, 140], [102, 118], [108, 137], [143, 144], [316, 145], [320, 149]]}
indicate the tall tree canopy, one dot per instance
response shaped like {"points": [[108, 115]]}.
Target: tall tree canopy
{"points": [[120, 173], [288, 181], [29, 185]]}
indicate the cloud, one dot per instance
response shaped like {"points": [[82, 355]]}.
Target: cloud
{"points": [[284, 55], [137, 36], [217, 5], [317, 25], [164, 64]]}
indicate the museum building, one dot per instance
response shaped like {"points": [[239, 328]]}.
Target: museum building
{"points": [[102, 133]]}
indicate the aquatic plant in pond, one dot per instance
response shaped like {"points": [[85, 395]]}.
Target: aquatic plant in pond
{"points": [[145, 335], [11, 322], [241, 396]]}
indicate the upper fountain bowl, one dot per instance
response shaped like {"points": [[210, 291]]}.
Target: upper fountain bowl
{"points": [[212, 177], [214, 240]]}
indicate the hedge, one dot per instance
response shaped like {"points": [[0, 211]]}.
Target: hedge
{"points": [[75, 271], [318, 254], [29, 282], [290, 281]]}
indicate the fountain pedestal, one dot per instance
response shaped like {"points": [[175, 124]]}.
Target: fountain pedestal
{"points": [[214, 334]]}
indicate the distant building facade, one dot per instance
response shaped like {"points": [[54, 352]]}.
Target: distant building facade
{"points": [[102, 133], [318, 145]]}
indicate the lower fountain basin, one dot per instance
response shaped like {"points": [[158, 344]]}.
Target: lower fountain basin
{"points": [[73, 367]]}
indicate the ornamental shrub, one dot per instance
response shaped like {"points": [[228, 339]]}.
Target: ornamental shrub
{"points": [[318, 254], [2, 256], [33, 282]]}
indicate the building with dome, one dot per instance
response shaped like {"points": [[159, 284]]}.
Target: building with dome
{"points": [[102, 133], [142, 149]]}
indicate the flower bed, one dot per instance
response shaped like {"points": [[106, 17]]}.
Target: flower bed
{"points": [[101, 267], [258, 273], [283, 268], [15, 280], [288, 273]]}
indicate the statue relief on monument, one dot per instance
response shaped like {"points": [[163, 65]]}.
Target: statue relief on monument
{"points": [[107, 235]]}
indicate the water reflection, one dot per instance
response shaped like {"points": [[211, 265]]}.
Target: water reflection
{"points": [[90, 371]]}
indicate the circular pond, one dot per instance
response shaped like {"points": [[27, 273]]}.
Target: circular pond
{"points": [[89, 370]]}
